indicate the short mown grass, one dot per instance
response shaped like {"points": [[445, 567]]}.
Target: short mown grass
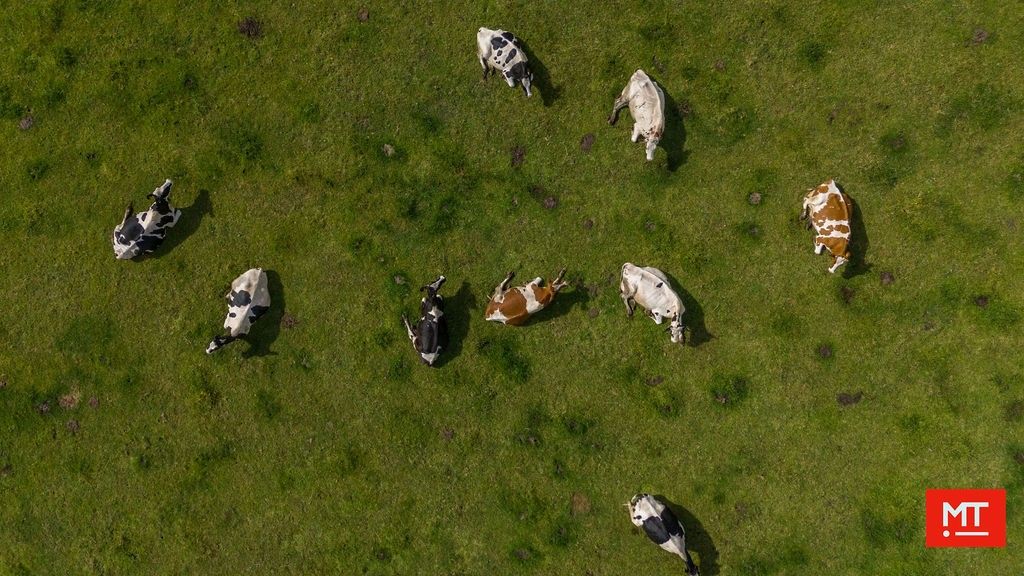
{"points": [[354, 152]]}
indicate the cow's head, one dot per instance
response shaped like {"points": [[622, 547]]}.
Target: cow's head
{"points": [[677, 330], [162, 191], [652, 143], [636, 516], [434, 286], [521, 73], [124, 248], [218, 342]]}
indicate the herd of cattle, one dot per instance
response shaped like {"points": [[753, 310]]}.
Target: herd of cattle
{"points": [[826, 206]]}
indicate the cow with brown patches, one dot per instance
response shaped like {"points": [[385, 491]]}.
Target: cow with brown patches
{"points": [[828, 210], [515, 305]]}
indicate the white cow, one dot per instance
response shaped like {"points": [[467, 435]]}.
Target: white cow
{"points": [[248, 299], [500, 50], [662, 527], [647, 106], [649, 288]]}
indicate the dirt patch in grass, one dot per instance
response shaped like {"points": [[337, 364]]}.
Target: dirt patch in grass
{"points": [[846, 294], [579, 504], [518, 156], [1014, 411], [289, 321], [981, 301], [887, 278], [587, 142], [70, 400], [979, 37], [824, 351], [250, 27], [849, 398]]}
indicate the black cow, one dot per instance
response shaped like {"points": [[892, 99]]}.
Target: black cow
{"points": [[430, 336]]}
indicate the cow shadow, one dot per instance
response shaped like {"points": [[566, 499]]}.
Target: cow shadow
{"points": [[191, 216], [541, 78], [693, 318], [697, 538], [265, 330], [563, 303], [457, 312], [859, 242], [674, 138]]}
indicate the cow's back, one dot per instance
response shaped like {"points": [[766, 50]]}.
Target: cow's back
{"points": [[511, 309], [243, 310], [646, 101], [653, 290]]}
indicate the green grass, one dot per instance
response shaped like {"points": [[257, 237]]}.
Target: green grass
{"points": [[327, 448]]}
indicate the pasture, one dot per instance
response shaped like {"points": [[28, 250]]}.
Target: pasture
{"points": [[354, 153]]}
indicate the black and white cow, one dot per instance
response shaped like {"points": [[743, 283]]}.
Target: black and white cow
{"points": [[501, 51], [142, 233], [662, 527], [248, 299], [430, 336]]}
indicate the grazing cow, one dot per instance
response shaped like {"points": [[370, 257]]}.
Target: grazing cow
{"points": [[649, 288], [662, 527], [647, 106], [829, 211], [515, 305], [142, 233], [430, 336], [501, 51], [248, 299]]}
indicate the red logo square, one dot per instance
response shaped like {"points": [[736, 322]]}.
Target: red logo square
{"points": [[965, 518]]}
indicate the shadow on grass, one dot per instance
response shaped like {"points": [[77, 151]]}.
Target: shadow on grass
{"points": [[674, 138], [191, 217], [694, 315], [541, 78], [563, 304], [265, 330], [859, 242], [457, 314], [697, 538]]}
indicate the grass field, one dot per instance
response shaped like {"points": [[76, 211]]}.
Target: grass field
{"points": [[322, 446]]}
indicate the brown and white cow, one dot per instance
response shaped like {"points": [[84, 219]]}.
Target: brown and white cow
{"points": [[515, 305], [829, 211]]}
